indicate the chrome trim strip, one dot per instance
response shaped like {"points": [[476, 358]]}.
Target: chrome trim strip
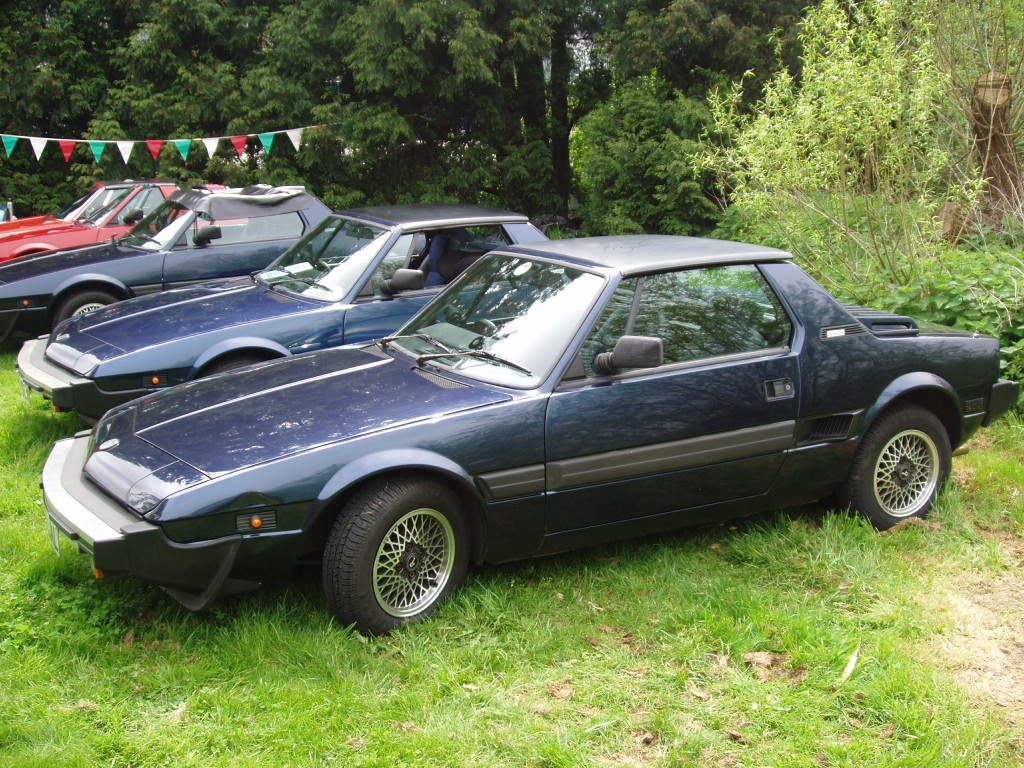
{"points": [[669, 456]]}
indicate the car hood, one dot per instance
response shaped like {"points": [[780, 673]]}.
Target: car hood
{"points": [[160, 317], [58, 260], [35, 226], [238, 419]]}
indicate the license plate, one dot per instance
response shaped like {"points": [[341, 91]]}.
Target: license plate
{"points": [[55, 534]]}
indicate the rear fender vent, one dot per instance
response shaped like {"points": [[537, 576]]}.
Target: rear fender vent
{"points": [[441, 381], [835, 427]]}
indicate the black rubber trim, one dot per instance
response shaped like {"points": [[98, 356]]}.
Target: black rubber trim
{"points": [[520, 481], [1004, 396], [669, 456]]}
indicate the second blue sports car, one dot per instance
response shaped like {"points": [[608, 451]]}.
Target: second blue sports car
{"points": [[356, 276]]}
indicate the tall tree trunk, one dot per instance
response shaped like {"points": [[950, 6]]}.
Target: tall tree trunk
{"points": [[994, 139], [560, 70]]}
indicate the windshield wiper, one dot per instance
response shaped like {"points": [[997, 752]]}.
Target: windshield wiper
{"points": [[481, 353], [425, 336]]}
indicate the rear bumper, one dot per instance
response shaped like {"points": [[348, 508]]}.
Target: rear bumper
{"points": [[67, 391], [1003, 397], [121, 542]]}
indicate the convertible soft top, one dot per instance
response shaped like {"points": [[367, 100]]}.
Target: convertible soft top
{"points": [[252, 201]]}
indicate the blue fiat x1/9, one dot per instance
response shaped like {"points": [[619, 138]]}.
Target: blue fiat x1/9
{"points": [[554, 396], [357, 276]]}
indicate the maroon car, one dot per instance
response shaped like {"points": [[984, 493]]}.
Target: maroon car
{"points": [[108, 212]]}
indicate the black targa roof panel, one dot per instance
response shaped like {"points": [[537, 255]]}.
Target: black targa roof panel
{"points": [[259, 200]]}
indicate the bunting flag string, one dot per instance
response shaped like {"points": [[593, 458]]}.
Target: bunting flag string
{"points": [[155, 146]]}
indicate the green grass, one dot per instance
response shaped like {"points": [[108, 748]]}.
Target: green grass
{"points": [[629, 654]]}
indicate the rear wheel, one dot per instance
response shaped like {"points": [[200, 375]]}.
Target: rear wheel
{"points": [[397, 549], [82, 303], [901, 465]]}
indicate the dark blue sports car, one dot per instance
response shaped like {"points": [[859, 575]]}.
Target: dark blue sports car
{"points": [[354, 277], [194, 236], [554, 396]]}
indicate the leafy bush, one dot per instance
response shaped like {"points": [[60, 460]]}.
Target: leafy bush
{"points": [[633, 157]]}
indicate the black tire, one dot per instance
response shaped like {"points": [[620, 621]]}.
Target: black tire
{"points": [[905, 481], [76, 302], [230, 363], [372, 597]]}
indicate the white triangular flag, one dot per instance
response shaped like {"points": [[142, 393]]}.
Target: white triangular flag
{"points": [[125, 148], [211, 145], [295, 134], [38, 144]]}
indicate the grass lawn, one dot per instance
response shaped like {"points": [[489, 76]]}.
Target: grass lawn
{"points": [[721, 646]]}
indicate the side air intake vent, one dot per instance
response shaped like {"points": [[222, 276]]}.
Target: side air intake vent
{"points": [[830, 427], [441, 381], [839, 331], [974, 405]]}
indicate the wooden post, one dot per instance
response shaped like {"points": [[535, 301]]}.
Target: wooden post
{"points": [[994, 140]]}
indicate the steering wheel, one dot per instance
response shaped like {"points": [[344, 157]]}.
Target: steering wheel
{"points": [[484, 326]]}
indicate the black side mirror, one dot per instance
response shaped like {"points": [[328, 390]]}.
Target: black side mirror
{"points": [[403, 280], [205, 234], [134, 216], [630, 352]]}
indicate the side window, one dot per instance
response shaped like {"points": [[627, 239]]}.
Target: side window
{"points": [[146, 201], [697, 314], [612, 324], [709, 312], [248, 230], [394, 260]]}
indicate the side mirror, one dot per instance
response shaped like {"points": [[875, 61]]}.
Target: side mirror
{"points": [[403, 280], [205, 234], [630, 352], [134, 216]]}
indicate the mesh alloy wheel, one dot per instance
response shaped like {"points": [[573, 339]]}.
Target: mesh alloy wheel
{"points": [[414, 562], [906, 473], [85, 309]]}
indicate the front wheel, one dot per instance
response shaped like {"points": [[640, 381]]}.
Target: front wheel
{"points": [[78, 304], [396, 550], [900, 467]]}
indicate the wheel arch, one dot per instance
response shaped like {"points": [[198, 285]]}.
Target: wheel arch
{"points": [[926, 390], [31, 249], [87, 282], [401, 463], [254, 345]]}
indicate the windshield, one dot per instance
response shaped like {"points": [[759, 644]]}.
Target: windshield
{"points": [[77, 208], [506, 320], [160, 228], [327, 263], [108, 199]]}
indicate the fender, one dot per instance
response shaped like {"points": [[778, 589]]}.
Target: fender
{"points": [[93, 278], [405, 459], [910, 382], [237, 344]]}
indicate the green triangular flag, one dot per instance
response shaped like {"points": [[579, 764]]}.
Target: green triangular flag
{"points": [[9, 143], [267, 140], [184, 147], [97, 148]]}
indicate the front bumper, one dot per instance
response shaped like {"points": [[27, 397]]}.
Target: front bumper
{"points": [[67, 391], [21, 322], [121, 542]]}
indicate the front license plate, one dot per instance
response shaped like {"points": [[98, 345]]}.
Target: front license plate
{"points": [[55, 534]]}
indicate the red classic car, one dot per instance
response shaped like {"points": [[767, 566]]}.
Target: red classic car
{"points": [[107, 212]]}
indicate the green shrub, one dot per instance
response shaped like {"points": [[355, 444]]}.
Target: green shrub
{"points": [[634, 161]]}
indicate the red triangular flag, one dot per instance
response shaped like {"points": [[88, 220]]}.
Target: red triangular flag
{"points": [[155, 145], [67, 146], [240, 142]]}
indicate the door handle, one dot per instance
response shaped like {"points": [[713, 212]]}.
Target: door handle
{"points": [[779, 389]]}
